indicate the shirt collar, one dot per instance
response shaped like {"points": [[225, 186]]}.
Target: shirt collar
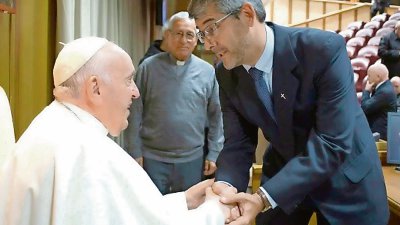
{"points": [[264, 63], [178, 62], [86, 117], [379, 84]]}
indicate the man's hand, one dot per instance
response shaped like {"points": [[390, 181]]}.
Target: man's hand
{"points": [[221, 189], [230, 212], [139, 161], [369, 86], [209, 167], [196, 194], [249, 205]]}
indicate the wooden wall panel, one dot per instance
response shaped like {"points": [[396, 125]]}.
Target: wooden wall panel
{"points": [[5, 23], [34, 53], [299, 11]]}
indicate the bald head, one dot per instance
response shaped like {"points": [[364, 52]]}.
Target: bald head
{"points": [[377, 73], [396, 84]]}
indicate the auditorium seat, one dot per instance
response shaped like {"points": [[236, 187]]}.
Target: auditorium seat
{"points": [[390, 23], [347, 34], [395, 16], [356, 76], [351, 51], [383, 31], [380, 18], [374, 41], [370, 52], [373, 25], [356, 43], [366, 32], [356, 25], [360, 66]]}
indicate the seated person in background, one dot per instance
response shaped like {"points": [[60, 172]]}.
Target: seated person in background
{"points": [[396, 85], [66, 171], [378, 98]]}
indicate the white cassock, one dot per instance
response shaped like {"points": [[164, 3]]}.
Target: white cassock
{"points": [[66, 171]]}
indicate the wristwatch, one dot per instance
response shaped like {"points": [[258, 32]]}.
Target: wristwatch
{"points": [[264, 199]]}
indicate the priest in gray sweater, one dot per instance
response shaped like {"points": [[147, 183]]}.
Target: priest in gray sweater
{"points": [[179, 99]]}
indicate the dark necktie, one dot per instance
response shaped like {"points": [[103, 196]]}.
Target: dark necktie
{"points": [[262, 90]]}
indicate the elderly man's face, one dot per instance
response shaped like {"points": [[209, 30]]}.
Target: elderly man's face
{"points": [[373, 77], [182, 39], [396, 86], [118, 92]]}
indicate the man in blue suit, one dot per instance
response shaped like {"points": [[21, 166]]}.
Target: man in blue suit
{"points": [[296, 85], [378, 98]]}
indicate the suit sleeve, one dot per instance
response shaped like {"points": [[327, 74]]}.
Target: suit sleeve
{"points": [[376, 103], [241, 136], [330, 139]]}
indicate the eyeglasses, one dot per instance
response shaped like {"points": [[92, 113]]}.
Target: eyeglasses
{"points": [[210, 29], [190, 36]]}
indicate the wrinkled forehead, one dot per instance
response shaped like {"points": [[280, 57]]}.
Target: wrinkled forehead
{"points": [[184, 23]]}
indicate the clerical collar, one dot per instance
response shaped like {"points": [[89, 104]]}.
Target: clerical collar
{"points": [[179, 62]]}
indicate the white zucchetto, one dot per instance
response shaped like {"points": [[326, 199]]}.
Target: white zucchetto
{"points": [[74, 55]]}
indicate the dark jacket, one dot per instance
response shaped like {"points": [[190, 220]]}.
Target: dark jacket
{"points": [[321, 145], [377, 106]]}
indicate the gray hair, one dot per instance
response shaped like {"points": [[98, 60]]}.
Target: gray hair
{"points": [[198, 7], [92, 67], [178, 16]]}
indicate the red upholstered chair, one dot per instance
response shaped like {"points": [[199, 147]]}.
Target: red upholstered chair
{"points": [[374, 41], [390, 23], [360, 66], [356, 76], [380, 18], [395, 16], [375, 25], [383, 31], [356, 25], [366, 32], [370, 52], [351, 51], [356, 43], [347, 34]]}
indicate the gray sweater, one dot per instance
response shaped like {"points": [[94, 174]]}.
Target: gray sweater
{"points": [[176, 104]]}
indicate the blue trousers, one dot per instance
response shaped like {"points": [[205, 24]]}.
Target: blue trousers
{"points": [[174, 177]]}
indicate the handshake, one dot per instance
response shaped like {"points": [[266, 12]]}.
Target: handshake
{"points": [[238, 208]]}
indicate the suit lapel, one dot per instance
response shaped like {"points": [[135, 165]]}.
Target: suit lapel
{"points": [[284, 86]]}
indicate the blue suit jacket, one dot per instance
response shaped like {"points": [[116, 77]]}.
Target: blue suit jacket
{"points": [[321, 144]]}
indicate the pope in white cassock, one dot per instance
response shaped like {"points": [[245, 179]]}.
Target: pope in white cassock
{"points": [[66, 171]]}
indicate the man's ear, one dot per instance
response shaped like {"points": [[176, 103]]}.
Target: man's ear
{"points": [[93, 88], [250, 16]]}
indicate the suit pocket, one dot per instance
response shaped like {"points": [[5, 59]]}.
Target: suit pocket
{"points": [[358, 168]]}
